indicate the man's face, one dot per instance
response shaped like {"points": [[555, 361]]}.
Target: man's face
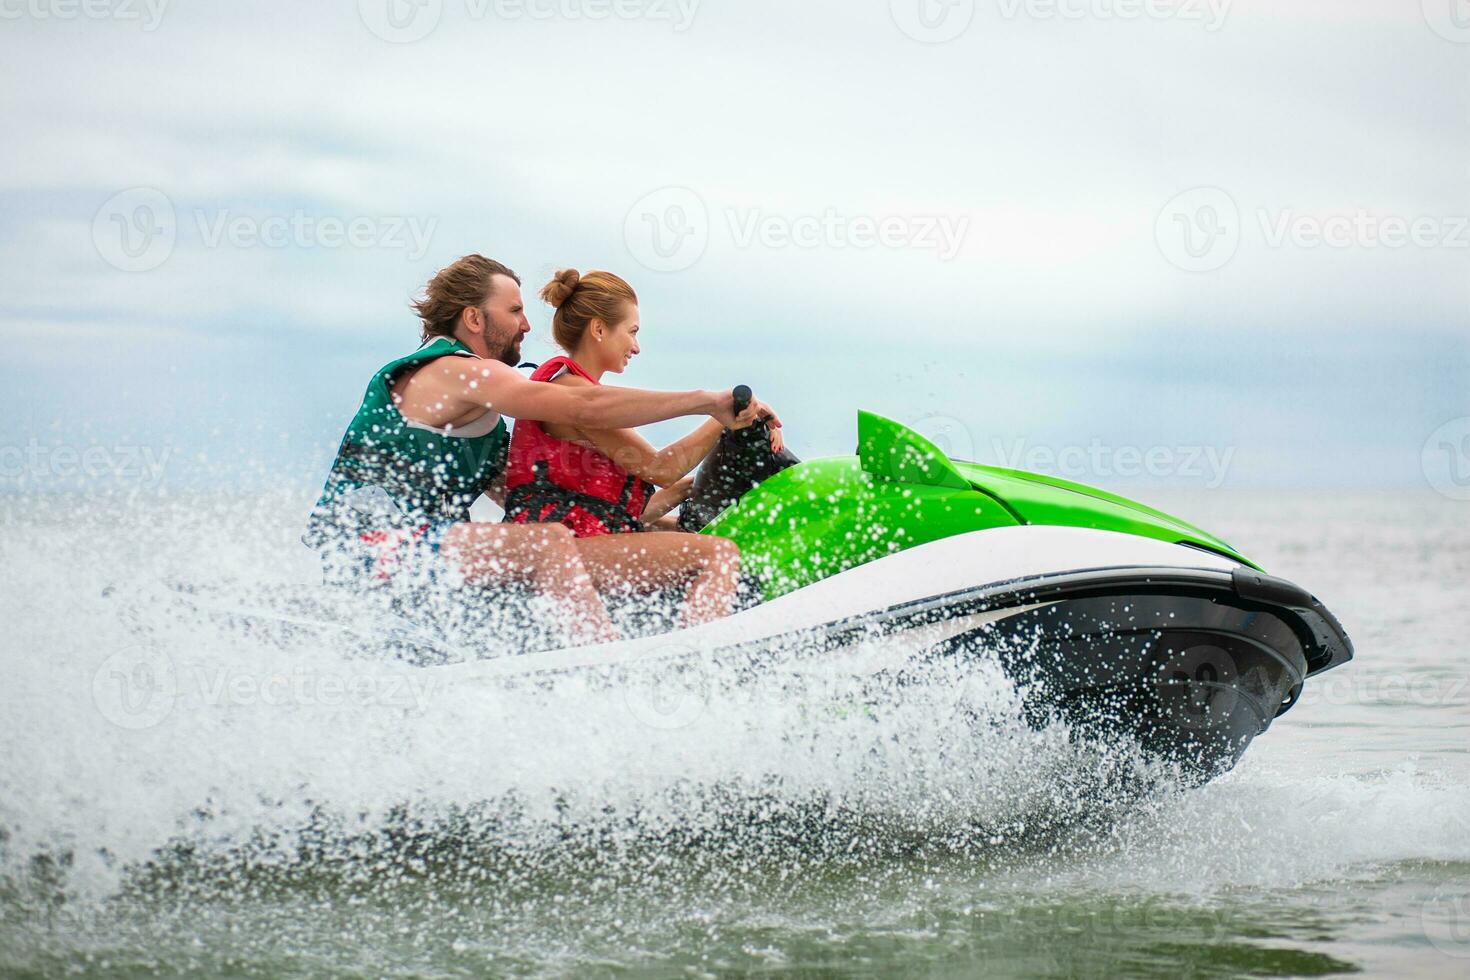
{"points": [[505, 321]]}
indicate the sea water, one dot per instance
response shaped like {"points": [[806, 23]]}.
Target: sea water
{"points": [[190, 787]]}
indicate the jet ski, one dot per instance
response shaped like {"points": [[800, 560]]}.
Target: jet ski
{"points": [[1110, 614]]}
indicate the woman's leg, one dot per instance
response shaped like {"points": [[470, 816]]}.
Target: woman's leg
{"points": [[544, 556], [706, 567]]}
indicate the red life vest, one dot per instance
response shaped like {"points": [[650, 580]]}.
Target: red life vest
{"points": [[550, 480]]}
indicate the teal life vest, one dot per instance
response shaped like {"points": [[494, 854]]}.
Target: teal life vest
{"points": [[390, 472]]}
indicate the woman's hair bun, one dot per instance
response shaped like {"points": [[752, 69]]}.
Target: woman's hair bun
{"points": [[561, 286]]}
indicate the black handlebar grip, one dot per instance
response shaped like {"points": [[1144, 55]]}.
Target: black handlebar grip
{"points": [[742, 394]]}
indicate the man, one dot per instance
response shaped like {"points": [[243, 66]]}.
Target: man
{"points": [[430, 437]]}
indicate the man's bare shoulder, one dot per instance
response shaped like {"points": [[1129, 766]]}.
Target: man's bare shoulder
{"points": [[461, 369], [459, 378]]}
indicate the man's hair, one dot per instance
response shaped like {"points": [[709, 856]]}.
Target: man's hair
{"points": [[467, 281]]}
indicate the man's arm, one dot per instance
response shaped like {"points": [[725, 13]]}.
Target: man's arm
{"points": [[498, 386]]}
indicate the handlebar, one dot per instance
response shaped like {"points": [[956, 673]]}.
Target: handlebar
{"points": [[742, 395]]}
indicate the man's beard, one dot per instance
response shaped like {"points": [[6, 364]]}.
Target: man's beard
{"points": [[510, 350]]}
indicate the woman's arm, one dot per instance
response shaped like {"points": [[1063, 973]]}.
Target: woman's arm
{"points": [[661, 467], [628, 449], [666, 500]]}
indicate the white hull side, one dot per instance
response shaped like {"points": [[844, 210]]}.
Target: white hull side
{"points": [[965, 561]]}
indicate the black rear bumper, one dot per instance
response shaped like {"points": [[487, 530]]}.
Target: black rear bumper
{"points": [[1194, 662]]}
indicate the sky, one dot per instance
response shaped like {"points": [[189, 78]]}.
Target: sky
{"points": [[1177, 242]]}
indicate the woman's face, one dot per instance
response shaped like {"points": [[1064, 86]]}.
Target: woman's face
{"points": [[619, 342]]}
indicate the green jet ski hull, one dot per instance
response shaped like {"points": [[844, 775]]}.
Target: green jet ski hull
{"points": [[1126, 618], [825, 516]]}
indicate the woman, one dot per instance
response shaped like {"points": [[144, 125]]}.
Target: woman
{"points": [[604, 482]]}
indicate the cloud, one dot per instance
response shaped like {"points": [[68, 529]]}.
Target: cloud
{"points": [[1055, 142]]}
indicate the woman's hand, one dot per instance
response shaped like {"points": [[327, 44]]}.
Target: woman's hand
{"points": [[773, 426], [725, 411], [680, 489], [667, 499]]}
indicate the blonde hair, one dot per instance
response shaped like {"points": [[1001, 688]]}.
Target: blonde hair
{"points": [[465, 282], [581, 299]]}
